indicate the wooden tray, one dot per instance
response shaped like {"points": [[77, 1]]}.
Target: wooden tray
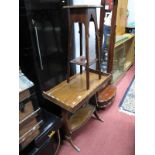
{"points": [[70, 96]]}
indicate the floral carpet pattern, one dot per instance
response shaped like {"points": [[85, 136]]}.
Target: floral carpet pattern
{"points": [[128, 102]]}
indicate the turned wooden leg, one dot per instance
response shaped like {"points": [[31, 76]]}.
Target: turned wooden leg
{"points": [[80, 31], [69, 51], [87, 52], [98, 117], [66, 124], [68, 132], [69, 139], [93, 100], [98, 52]]}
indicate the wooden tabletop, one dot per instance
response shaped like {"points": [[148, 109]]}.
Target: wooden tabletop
{"points": [[81, 6], [70, 96]]}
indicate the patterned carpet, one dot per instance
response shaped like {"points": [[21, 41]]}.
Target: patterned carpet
{"points": [[128, 102]]}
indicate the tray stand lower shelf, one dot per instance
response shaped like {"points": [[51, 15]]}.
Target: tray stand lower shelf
{"points": [[81, 117], [82, 61], [73, 99]]}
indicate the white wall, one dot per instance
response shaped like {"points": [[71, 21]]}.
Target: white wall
{"points": [[131, 10]]}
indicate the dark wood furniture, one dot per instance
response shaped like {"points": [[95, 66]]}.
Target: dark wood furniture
{"points": [[106, 96], [36, 126], [83, 14], [48, 140], [74, 99], [29, 119]]}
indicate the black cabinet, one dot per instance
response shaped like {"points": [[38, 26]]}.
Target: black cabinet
{"points": [[44, 144], [43, 43]]}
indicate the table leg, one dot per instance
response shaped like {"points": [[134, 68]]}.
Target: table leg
{"points": [[68, 133], [98, 55], [69, 139], [69, 49], [81, 48], [87, 51], [93, 100], [98, 117]]}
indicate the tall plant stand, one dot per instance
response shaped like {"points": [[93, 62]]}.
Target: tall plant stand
{"points": [[83, 14]]}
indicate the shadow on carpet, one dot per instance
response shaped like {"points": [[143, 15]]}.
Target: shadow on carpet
{"points": [[127, 104]]}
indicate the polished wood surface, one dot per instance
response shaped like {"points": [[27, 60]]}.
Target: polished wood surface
{"points": [[107, 94], [81, 117], [70, 96], [83, 14]]}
